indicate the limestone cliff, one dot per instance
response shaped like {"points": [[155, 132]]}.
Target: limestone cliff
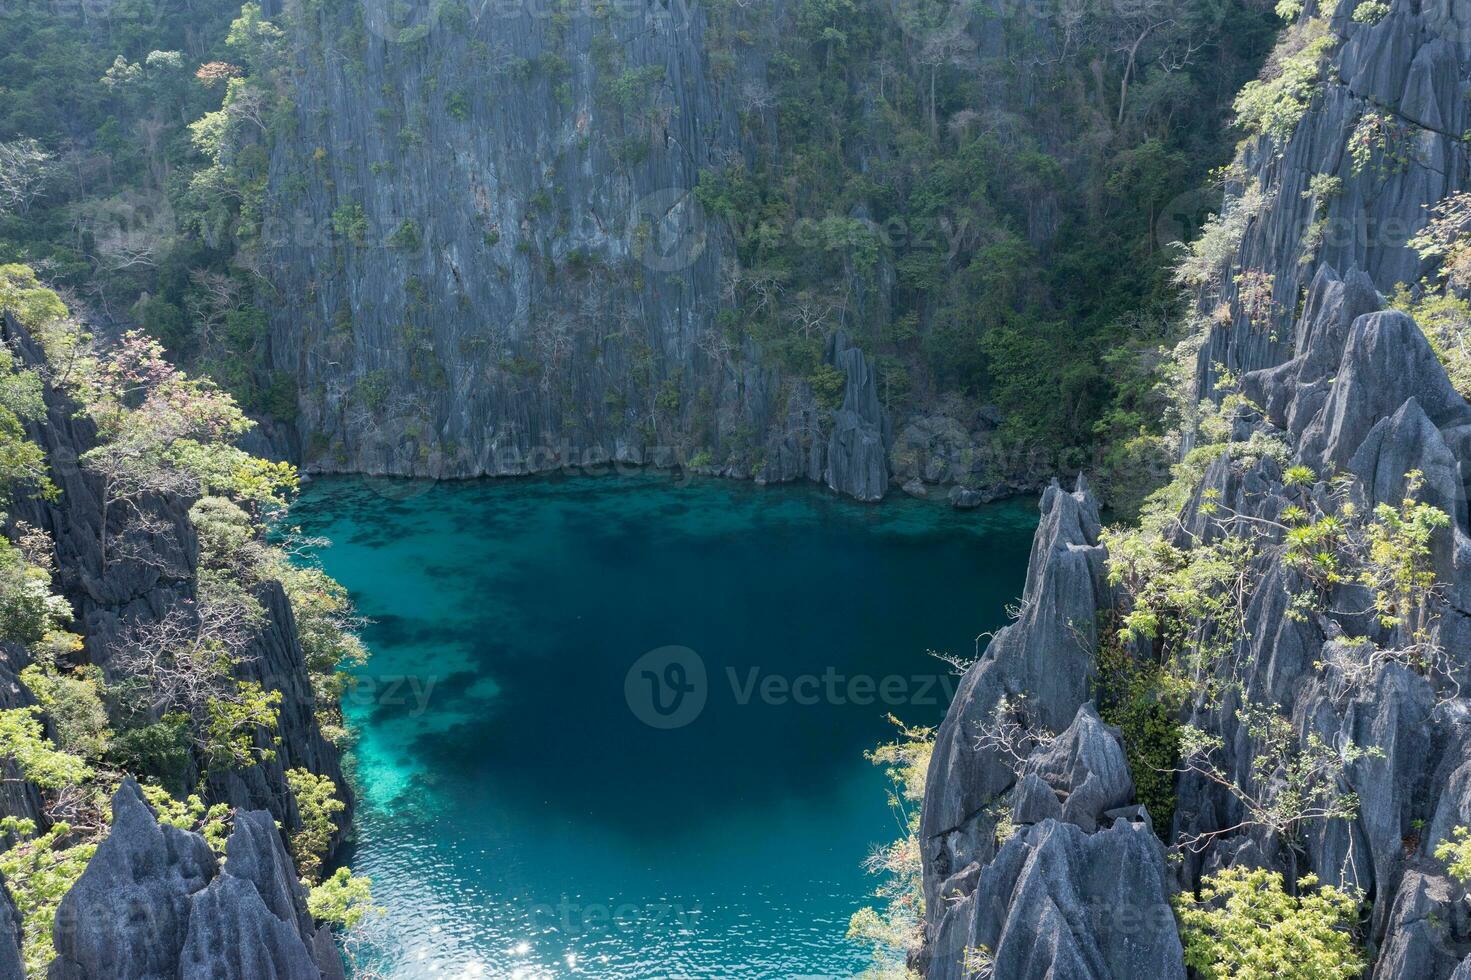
{"points": [[150, 903], [532, 284], [1348, 389]]}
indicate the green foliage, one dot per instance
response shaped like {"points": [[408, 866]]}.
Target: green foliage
{"points": [[161, 749], [1397, 568], [1446, 239], [212, 822], [1244, 926], [1445, 319], [351, 222], [1215, 248], [828, 384], [23, 741], [1456, 853], [406, 236], [1138, 698], [895, 929], [1370, 11], [1273, 107], [1381, 145], [1017, 254], [372, 389], [344, 899], [38, 871], [29, 613], [231, 726], [73, 702], [457, 105], [316, 805]]}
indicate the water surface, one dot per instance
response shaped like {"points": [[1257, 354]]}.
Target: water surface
{"points": [[525, 807]]}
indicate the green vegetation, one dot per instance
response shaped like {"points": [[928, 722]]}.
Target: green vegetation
{"points": [[895, 929], [1456, 853], [38, 871], [317, 804], [1022, 258], [137, 138], [1243, 926], [344, 899], [1274, 105], [174, 705], [1132, 697], [1439, 304]]}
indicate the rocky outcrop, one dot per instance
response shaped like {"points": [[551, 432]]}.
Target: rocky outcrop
{"points": [[1349, 388], [153, 902], [128, 913], [1079, 778], [858, 452], [1042, 661], [148, 574], [1059, 902], [1410, 69], [1080, 890]]}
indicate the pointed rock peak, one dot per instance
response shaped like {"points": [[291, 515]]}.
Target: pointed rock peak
{"points": [[256, 854], [129, 806]]}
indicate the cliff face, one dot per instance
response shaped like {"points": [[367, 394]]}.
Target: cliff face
{"points": [[1401, 85], [150, 902], [530, 283], [149, 575], [1346, 387]]}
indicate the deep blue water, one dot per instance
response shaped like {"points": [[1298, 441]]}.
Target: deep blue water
{"points": [[526, 810]]}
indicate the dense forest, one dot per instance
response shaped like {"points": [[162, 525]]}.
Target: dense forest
{"points": [[1212, 254], [990, 206]]}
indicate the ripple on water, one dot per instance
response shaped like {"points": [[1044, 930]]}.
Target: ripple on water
{"points": [[516, 817]]}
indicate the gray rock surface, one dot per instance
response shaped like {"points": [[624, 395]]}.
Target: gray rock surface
{"points": [[154, 903], [858, 454], [1413, 67], [1083, 771], [1059, 902], [1046, 657], [128, 914], [1350, 388]]}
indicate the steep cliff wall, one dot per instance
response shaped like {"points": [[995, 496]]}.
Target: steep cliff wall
{"points": [[510, 238], [1343, 399], [1388, 127], [152, 901], [528, 281]]}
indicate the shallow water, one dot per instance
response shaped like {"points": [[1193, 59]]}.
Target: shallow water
{"points": [[548, 787]]}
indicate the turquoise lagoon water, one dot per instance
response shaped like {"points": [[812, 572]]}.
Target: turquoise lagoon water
{"points": [[527, 809]]}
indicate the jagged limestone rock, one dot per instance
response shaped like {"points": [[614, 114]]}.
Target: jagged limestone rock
{"points": [[128, 913], [1059, 902], [857, 453], [1046, 655], [1083, 772], [153, 903]]}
